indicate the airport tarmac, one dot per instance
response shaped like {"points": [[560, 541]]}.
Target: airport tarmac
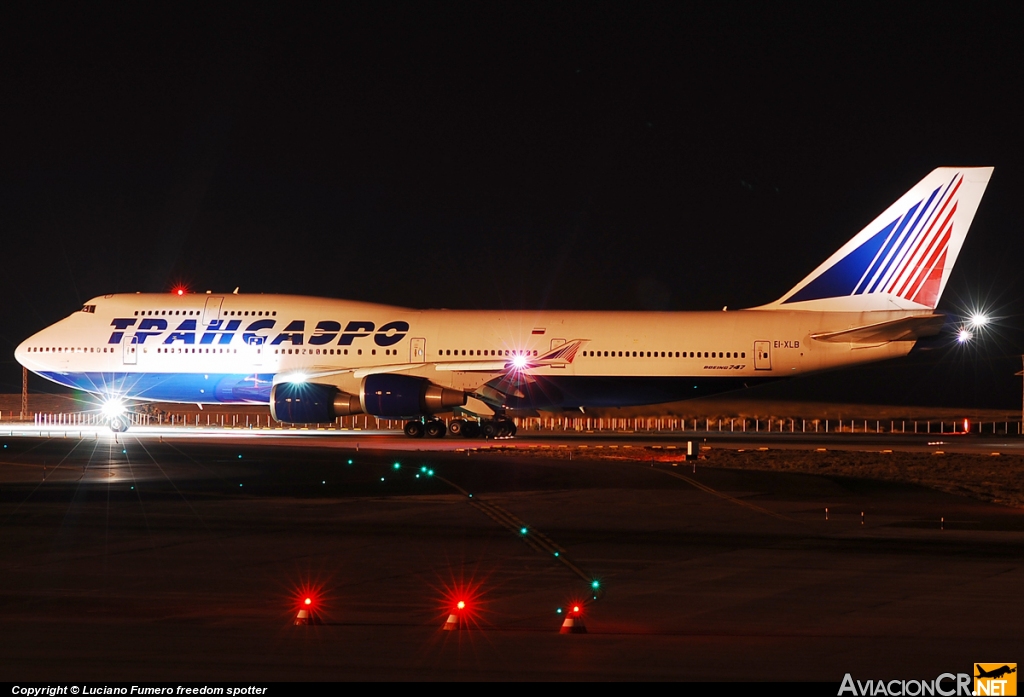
{"points": [[183, 556]]}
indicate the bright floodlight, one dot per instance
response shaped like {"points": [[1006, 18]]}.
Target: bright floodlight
{"points": [[298, 378], [519, 361], [978, 320], [963, 336], [113, 407]]}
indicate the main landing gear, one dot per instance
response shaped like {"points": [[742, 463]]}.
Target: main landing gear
{"points": [[498, 427]]}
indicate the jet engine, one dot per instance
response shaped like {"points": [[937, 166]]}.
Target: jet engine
{"points": [[405, 396], [309, 403]]}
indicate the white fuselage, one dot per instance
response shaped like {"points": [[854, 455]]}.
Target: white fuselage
{"points": [[231, 348]]}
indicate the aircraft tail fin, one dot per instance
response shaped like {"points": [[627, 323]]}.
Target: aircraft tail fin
{"points": [[903, 258]]}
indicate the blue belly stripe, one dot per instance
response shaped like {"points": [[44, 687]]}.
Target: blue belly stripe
{"points": [[210, 388]]}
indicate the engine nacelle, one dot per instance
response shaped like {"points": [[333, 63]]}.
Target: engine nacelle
{"points": [[405, 396], [308, 403]]}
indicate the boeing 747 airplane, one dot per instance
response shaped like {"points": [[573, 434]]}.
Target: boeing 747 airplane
{"points": [[312, 360]]}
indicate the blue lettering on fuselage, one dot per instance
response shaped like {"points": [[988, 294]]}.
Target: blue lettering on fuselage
{"points": [[250, 337], [391, 333], [222, 332], [186, 333], [293, 333], [122, 324], [354, 330], [325, 332], [160, 325], [218, 328]]}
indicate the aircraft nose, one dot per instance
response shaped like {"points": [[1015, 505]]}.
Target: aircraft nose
{"points": [[26, 351]]}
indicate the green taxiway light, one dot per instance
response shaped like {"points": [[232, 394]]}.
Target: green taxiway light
{"points": [[595, 584], [417, 476], [522, 531], [559, 611], [556, 554], [396, 466], [350, 462], [423, 469]]}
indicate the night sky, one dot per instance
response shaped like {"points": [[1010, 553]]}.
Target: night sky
{"points": [[630, 156]]}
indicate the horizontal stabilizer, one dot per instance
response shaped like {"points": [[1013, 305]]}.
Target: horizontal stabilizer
{"points": [[903, 329]]}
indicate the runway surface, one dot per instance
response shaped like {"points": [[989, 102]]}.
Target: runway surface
{"points": [[183, 556]]}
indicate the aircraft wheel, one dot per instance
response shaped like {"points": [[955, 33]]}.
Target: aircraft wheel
{"points": [[471, 429], [414, 429], [489, 429], [457, 427], [435, 428]]}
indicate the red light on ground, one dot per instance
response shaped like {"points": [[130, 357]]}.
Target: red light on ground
{"points": [[967, 426], [576, 608], [309, 601], [461, 605]]}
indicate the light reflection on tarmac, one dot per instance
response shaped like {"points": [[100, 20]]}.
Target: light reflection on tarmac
{"points": [[390, 440]]}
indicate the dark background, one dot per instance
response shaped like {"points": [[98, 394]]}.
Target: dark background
{"points": [[557, 155]]}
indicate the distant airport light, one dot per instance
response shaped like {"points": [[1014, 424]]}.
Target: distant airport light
{"points": [[963, 336], [967, 425]]}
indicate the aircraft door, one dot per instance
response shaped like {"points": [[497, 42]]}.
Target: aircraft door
{"points": [[555, 343], [212, 310], [130, 347], [255, 350], [762, 355], [417, 350]]}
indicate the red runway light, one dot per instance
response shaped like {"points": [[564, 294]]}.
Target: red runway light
{"points": [[462, 605], [309, 603], [573, 623]]}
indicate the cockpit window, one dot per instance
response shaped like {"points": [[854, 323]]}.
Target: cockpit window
{"points": [[89, 308]]}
